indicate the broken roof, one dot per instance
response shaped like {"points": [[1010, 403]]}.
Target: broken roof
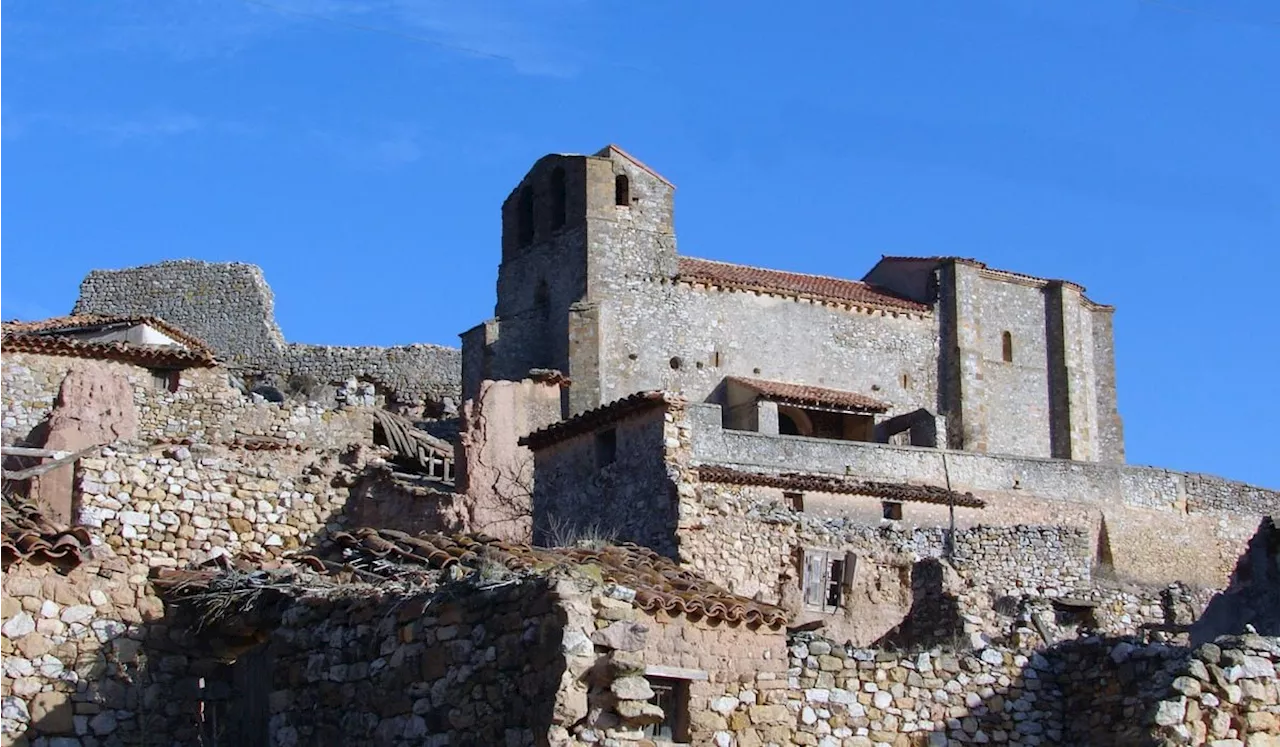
{"points": [[819, 483], [806, 395], [818, 287], [591, 419], [26, 533], [660, 584]]}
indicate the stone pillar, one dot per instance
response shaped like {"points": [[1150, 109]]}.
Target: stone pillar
{"points": [[767, 417], [1072, 400], [962, 392]]}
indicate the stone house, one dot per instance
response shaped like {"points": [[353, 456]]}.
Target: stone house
{"points": [[838, 532]]}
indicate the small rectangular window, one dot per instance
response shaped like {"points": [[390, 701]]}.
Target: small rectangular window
{"points": [[826, 574], [794, 500], [164, 380], [606, 447], [891, 510], [672, 696]]}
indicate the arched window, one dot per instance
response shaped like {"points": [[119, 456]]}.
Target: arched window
{"points": [[621, 190], [557, 198], [524, 216], [1006, 346]]}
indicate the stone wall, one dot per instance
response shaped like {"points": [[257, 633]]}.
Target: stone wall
{"points": [[379, 666], [89, 659], [206, 408], [627, 495], [231, 307], [752, 542], [169, 506], [1202, 521], [1096, 692], [227, 305]]}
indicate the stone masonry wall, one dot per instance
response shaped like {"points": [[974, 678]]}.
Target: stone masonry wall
{"points": [[1211, 518], [231, 307], [206, 408], [180, 505], [397, 668], [1094, 692], [628, 500], [89, 661]]}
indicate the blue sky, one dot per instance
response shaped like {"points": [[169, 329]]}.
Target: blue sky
{"points": [[1132, 146]]}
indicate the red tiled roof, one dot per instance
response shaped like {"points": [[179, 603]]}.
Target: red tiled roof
{"points": [[840, 485], [591, 419], [659, 583], [152, 356], [803, 394], [25, 533], [820, 287], [74, 322]]}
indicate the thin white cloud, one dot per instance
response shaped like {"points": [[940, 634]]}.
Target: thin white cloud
{"points": [[385, 150], [523, 34], [121, 128]]}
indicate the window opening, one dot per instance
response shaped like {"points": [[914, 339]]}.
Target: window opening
{"points": [[906, 381], [891, 510], [557, 198], [794, 500], [606, 447], [826, 575], [622, 190], [524, 216], [1006, 346], [164, 380], [676, 363], [672, 696]]}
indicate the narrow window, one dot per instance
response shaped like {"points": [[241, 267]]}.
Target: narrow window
{"points": [[891, 510], [906, 381], [794, 500], [672, 696], [715, 358], [164, 380], [824, 579], [1006, 347], [606, 447], [524, 216], [557, 198], [622, 190]]}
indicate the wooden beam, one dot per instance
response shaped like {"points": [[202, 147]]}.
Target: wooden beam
{"points": [[26, 451], [27, 474]]}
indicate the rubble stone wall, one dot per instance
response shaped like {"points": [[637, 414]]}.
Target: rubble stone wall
{"points": [[205, 408], [389, 668], [1095, 691], [178, 505], [231, 307], [1203, 521], [89, 660], [627, 497]]}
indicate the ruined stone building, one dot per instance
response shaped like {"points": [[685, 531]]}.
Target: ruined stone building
{"points": [[655, 500]]}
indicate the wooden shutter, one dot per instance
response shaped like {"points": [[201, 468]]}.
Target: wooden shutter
{"points": [[850, 569], [815, 573]]}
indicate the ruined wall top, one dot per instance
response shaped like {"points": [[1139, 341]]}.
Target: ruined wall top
{"points": [[230, 306], [227, 304]]}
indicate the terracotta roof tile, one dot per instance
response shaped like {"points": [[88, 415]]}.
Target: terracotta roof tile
{"points": [[25, 533], [803, 394], [820, 287], [659, 583], [840, 485], [591, 419], [152, 356], [73, 322]]}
